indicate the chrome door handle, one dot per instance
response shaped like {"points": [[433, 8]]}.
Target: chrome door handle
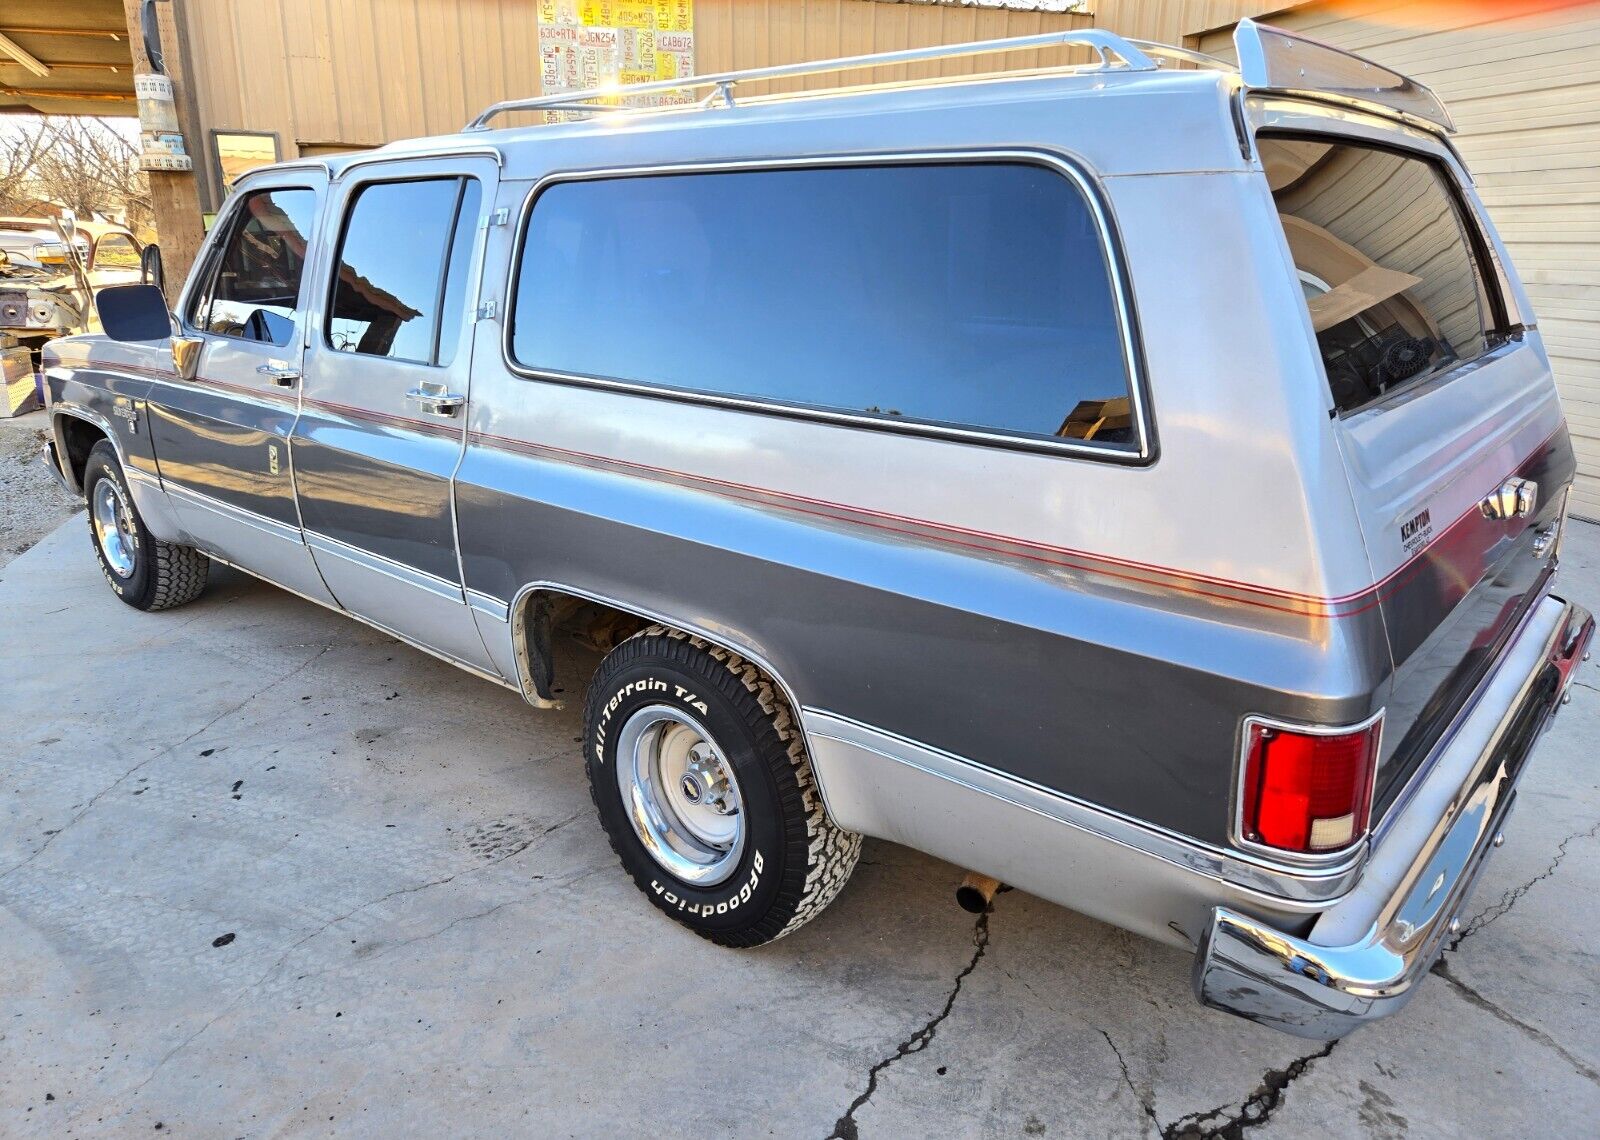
{"points": [[280, 375], [436, 403]]}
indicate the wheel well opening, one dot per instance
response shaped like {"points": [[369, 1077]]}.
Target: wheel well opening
{"points": [[78, 437], [546, 615]]}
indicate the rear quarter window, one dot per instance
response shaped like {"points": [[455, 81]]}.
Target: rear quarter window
{"points": [[1388, 262], [974, 295]]}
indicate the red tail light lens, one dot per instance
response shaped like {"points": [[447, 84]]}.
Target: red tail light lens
{"points": [[1308, 792]]}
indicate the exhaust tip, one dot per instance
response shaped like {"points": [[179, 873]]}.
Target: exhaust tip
{"points": [[976, 892]]}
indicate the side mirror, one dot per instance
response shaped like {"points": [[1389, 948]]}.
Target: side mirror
{"points": [[150, 270], [133, 312]]}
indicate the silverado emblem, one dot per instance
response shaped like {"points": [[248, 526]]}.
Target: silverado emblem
{"points": [[1515, 498]]}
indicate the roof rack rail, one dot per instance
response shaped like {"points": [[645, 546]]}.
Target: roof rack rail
{"points": [[1160, 52], [1133, 56]]}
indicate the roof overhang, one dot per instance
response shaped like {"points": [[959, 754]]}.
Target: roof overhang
{"points": [[65, 58]]}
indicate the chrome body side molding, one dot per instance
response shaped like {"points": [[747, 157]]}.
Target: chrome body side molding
{"points": [[1051, 845], [394, 633]]}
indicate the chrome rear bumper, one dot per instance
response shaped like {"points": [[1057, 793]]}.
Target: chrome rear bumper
{"points": [[1364, 956]]}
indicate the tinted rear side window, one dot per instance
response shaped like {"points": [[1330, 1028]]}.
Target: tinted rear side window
{"points": [[975, 295], [391, 297], [1386, 260]]}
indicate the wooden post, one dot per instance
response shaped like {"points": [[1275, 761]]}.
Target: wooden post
{"points": [[174, 195]]}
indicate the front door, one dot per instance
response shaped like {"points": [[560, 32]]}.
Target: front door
{"points": [[383, 414], [222, 439]]}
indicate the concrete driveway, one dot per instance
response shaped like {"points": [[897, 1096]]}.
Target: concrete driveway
{"points": [[264, 871]]}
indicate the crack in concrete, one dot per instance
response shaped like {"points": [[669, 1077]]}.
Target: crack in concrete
{"points": [[1499, 910], [283, 958], [1533, 1033], [1218, 1124], [1143, 1100], [845, 1127], [148, 760]]}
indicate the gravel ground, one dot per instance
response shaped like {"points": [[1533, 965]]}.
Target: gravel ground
{"points": [[31, 503]]}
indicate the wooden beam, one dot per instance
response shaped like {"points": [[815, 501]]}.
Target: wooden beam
{"points": [[17, 52], [174, 195], [62, 93], [82, 33]]}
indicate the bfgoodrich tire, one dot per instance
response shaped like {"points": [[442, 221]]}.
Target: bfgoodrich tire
{"points": [[700, 775], [142, 570]]}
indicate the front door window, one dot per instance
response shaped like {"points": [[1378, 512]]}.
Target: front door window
{"points": [[256, 285]]}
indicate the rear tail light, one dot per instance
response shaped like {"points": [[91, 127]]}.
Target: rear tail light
{"points": [[1307, 792]]}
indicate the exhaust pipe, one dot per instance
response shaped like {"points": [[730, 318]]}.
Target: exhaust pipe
{"points": [[976, 892]]}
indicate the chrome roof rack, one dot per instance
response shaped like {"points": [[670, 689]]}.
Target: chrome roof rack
{"points": [[1131, 56]]}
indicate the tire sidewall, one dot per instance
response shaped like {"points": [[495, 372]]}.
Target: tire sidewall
{"points": [[139, 587], [749, 894]]}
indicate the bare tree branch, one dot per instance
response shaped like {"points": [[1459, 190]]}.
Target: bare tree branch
{"points": [[75, 161]]}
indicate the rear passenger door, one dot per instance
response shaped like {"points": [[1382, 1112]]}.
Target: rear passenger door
{"points": [[384, 405]]}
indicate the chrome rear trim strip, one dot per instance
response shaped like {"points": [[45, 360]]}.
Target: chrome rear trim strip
{"points": [[1313, 887], [489, 605]]}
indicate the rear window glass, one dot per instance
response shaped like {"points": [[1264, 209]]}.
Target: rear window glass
{"points": [[1386, 263], [976, 295]]}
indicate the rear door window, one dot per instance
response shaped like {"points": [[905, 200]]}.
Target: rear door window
{"points": [[393, 295], [974, 296], [1388, 261]]}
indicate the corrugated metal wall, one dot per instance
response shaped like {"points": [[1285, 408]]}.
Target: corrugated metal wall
{"points": [[363, 72], [1525, 93]]}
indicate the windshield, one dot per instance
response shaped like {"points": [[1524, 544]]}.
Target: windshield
{"points": [[1386, 263]]}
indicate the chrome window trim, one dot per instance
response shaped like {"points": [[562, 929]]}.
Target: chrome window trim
{"points": [[1272, 878], [378, 564], [341, 210], [1111, 247], [374, 157], [1355, 851]]}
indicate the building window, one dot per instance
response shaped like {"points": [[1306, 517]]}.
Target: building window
{"points": [[974, 295], [240, 152]]}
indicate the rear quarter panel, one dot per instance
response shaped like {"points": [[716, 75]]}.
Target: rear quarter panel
{"points": [[1095, 629]]}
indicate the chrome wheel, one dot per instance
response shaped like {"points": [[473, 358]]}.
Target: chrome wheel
{"points": [[681, 795], [113, 527]]}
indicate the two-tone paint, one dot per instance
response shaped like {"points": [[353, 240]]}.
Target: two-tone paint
{"points": [[1035, 662]]}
